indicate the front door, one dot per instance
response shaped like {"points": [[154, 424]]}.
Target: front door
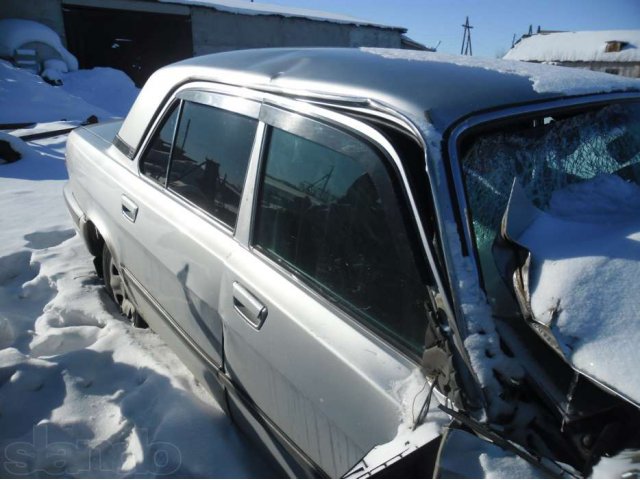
{"points": [[323, 299]]}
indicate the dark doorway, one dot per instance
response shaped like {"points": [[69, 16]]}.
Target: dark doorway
{"points": [[136, 42]]}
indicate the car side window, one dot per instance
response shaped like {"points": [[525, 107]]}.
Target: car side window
{"points": [[210, 158], [155, 162], [333, 215]]}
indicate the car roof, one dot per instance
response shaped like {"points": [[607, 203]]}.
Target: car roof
{"points": [[421, 85]]}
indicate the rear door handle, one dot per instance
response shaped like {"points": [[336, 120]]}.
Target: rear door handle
{"points": [[248, 306], [129, 208]]}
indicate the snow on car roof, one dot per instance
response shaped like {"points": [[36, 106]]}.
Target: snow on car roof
{"points": [[578, 47], [243, 7], [413, 82]]}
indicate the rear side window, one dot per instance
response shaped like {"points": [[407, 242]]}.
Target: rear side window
{"points": [[210, 158], [333, 215], [155, 161]]}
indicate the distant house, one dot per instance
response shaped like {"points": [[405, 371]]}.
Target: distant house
{"points": [[611, 51], [139, 36]]}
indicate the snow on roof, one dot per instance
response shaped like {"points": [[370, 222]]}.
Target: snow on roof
{"points": [[245, 7], [15, 32], [544, 78], [578, 47]]}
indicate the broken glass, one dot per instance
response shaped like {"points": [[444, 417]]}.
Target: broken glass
{"points": [[544, 155]]}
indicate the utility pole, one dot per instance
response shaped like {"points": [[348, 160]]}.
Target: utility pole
{"points": [[466, 39]]}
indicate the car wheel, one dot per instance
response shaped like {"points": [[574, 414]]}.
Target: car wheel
{"points": [[114, 284]]}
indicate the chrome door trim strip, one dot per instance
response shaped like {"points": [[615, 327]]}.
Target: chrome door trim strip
{"points": [[247, 203], [231, 103]]}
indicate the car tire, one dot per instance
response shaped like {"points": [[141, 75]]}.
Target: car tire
{"points": [[116, 289]]}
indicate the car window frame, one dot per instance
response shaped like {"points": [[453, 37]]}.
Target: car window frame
{"points": [[323, 108], [286, 113], [202, 95], [166, 112]]}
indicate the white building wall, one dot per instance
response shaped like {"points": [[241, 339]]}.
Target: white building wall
{"points": [[216, 31]]}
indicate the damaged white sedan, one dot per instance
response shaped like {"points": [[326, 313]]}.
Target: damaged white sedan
{"points": [[384, 262]]}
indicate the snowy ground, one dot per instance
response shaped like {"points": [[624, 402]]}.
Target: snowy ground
{"points": [[81, 392]]}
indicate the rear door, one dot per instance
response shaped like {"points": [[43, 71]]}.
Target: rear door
{"points": [[193, 169], [323, 299]]}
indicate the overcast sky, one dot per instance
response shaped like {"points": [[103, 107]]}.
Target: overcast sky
{"points": [[494, 21]]}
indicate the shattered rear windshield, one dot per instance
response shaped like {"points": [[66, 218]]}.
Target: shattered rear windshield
{"points": [[543, 155]]}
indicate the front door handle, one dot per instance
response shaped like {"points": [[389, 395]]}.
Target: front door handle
{"points": [[129, 208], [248, 306]]}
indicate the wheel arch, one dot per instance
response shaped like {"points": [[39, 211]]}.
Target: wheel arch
{"points": [[93, 238], [96, 235]]}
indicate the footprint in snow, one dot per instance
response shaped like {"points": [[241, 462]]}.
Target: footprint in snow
{"points": [[71, 318], [64, 340], [16, 269], [24, 293]]}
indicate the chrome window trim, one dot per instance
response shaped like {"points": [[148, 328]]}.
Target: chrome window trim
{"points": [[284, 106], [123, 147], [224, 101], [464, 126], [244, 223], [372, 135], [195, 93], [220, 90], [321, 107], [173, 142], [318, 106], [230, 103], [160, 117], [380, 111]]}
